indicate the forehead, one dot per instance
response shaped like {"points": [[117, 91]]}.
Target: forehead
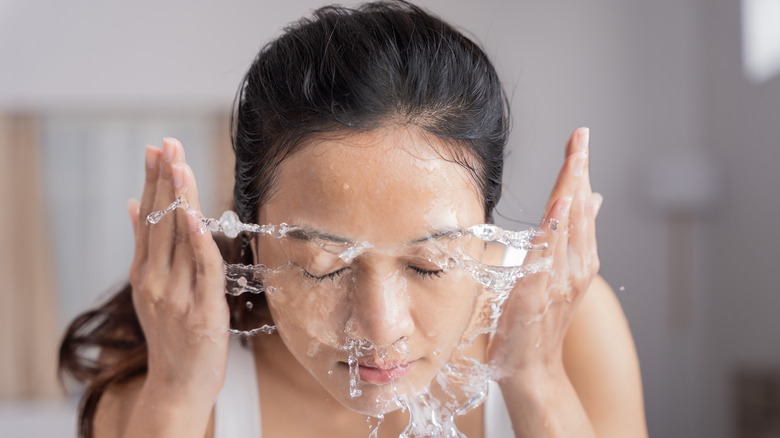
{"points": [[380, 186]]}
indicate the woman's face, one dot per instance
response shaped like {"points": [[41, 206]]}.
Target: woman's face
{"points": [[382, 195]]}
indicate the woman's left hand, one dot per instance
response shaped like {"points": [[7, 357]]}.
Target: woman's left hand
{"points": [[536, 316]]}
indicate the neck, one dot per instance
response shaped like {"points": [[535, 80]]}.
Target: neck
{"points": [[274, 359]]}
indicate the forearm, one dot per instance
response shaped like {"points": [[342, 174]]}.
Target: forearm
{"points": [[543, 403], [166, 412]]}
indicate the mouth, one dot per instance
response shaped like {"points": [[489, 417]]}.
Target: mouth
{"points": [[377, 374]]}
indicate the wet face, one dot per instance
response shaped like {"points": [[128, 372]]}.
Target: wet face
{"points": [[391, 200]]}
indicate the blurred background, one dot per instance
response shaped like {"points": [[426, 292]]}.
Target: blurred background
{"points": [[682, 98]]}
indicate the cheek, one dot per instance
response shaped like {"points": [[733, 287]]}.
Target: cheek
{"points": [[309, 313], [314, 318], [444, 316]]}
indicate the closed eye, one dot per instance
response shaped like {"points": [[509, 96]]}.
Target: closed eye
{"points": [[425, 273], [331, 276]]}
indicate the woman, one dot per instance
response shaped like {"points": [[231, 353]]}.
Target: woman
{"points": [[379, 129]]}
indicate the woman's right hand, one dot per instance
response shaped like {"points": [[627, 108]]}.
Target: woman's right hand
{"points": [[178, 285]]}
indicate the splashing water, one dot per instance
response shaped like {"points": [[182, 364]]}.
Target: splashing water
{"points": [[354, 372], [265, 328], [463, 380], [228, 224], [516, 239]]}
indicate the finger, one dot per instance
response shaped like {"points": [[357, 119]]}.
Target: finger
{"points": [[585, 148], [191, 192], [573, 167], [183, 269], [594, 206], [574, 144], [553, 229], [161, 235], [209, 269], [580, 225], [559, 273], [133, 206], [153, 154]]}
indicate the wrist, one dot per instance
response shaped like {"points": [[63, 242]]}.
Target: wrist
{"points": [[173, 408], [543, 402], [533, 382], [183, 387], [161, 413]]}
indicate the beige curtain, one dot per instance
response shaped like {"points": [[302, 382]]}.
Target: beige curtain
{"points": [[29, 321]]}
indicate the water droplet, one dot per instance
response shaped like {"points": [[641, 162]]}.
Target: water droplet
{"points": [[354, 377], [229, 223], [249, 305], [282, 229], [401, 347], [486, 232], [211, 224], [622, 288], [265, 328], [553, 224], [155, 217]]}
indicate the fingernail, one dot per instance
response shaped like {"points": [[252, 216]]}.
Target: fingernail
{"points": [[176, 146], [151, 156], [597, 200], [177, 171], [584, 139], [579, 164], [130, 203]]}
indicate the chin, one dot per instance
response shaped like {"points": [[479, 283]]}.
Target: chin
{"points": [[378, 397]]}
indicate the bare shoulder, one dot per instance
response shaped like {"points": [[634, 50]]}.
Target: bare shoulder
{"points": [[115, 409], [601, 362]]}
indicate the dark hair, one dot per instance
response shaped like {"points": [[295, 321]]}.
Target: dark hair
{"points": [[341, 71]]}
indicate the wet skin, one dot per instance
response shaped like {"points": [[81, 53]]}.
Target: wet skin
{"points": [[388, 188]]}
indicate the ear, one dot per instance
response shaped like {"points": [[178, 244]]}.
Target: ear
{"points": [[253, 245]]}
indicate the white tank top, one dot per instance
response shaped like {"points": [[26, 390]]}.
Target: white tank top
{"points": [[237, 409]]}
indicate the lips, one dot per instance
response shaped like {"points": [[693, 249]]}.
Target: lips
{"points": [[385, 373]]}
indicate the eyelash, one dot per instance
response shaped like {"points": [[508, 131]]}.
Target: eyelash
{"points": [[424, 273], [332, 276]]}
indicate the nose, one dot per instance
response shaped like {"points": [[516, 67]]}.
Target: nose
{"points": [[381, 309]]}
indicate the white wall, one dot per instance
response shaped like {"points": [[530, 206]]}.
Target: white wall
{"points": [[741, 129], [632, 71]]}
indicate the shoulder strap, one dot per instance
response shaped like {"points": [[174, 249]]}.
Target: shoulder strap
{"points": [[237, 410], [514, 256], [497, 421]]}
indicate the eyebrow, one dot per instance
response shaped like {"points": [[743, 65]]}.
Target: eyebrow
{"points": [[308, 233]]}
